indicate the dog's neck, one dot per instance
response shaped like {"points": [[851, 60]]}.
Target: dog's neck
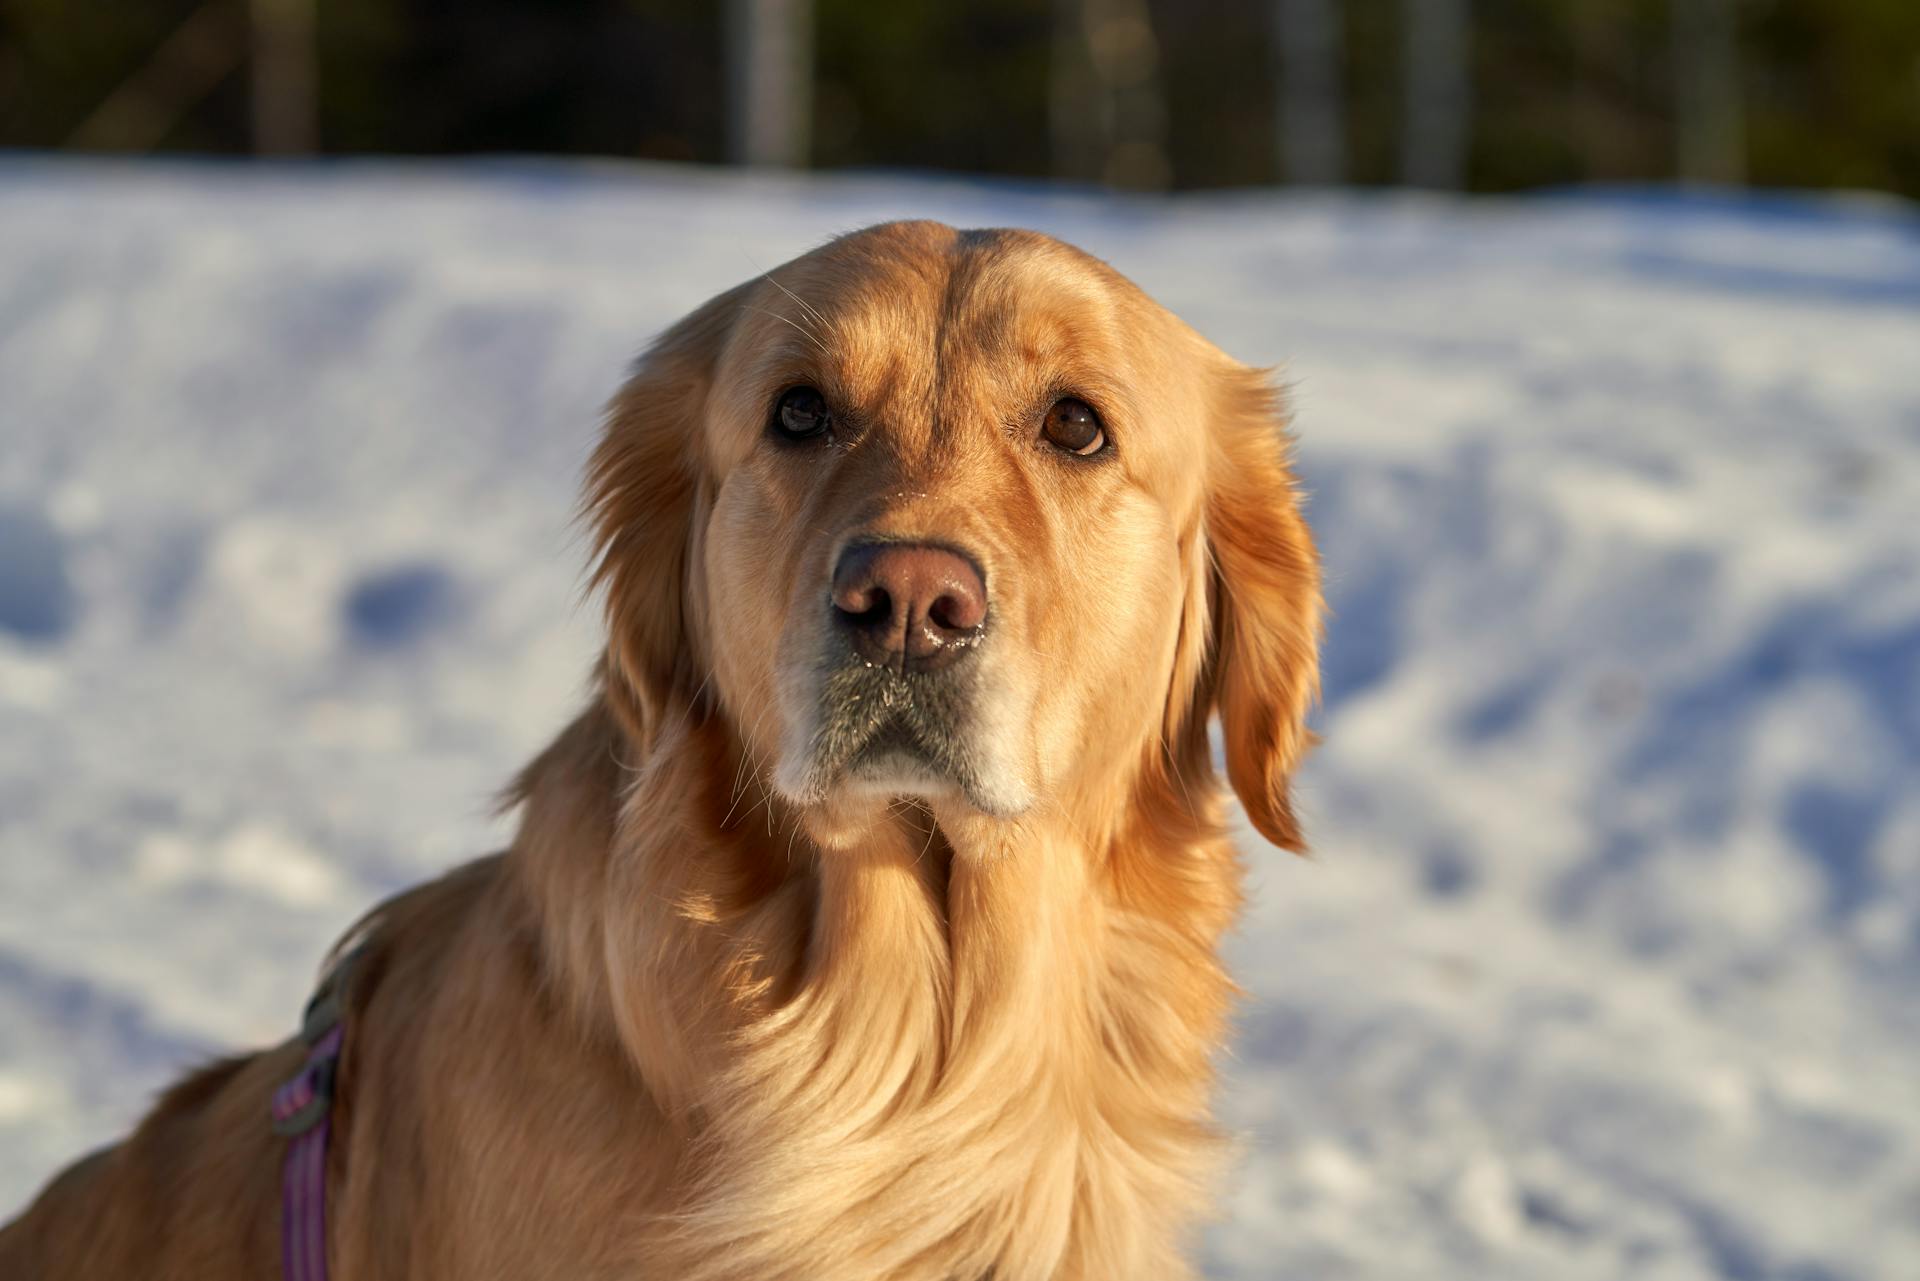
{"points": [[943, 1021]]}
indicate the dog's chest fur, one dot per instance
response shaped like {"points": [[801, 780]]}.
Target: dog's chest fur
{"points": [[989, 1086], [888, 1060]]}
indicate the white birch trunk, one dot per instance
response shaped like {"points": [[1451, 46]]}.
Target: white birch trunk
{"points": [[769, 82]]}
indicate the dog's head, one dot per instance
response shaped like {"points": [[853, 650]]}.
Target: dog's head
{"points": [[962, 516]]}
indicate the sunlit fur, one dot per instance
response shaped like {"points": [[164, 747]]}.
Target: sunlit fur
{"points": [[695, 1026]]}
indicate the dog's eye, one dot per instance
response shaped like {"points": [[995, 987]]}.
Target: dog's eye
{"points": [[1073, 426], [801, 414]]}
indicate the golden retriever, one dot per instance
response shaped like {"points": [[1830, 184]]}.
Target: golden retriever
{"points": [[864, 925]]}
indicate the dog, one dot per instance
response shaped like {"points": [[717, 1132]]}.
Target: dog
{"points": [[865, 923]]}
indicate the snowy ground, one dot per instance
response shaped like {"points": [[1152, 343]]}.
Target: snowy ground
{"points": [[1609, 961]]}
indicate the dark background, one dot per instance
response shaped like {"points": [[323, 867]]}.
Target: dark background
{"points": [[1825, 93]]}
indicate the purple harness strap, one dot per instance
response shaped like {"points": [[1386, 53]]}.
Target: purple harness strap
{"points": [[302, 1112]]}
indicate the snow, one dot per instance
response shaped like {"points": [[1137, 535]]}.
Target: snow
{"points": [[1608, 960]]}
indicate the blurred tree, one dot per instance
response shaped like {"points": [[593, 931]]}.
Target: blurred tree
{"points": [[1218, 91], [949, 86], [1309, 39], [769, 82], [1437, 74], [181, 70], [1106, 110], [1835, 94], [1706, 92], [1489, 94], [283, 77]]}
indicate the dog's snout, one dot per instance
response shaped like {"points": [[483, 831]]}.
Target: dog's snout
{"points": [[911, 606]]}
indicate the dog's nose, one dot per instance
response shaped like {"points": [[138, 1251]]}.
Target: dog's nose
{"points": [[910, 606]]}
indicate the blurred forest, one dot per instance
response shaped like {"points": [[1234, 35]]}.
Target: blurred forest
{"points": [[1477, 94]]}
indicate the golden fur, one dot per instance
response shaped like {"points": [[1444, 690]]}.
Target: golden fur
{"points": [[699, 1023]]}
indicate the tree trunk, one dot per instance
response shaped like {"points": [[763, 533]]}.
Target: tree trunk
{"points": [[284, 78], [1708, 115], [1106, 109], [1438, 104], [1309, 48], [138, 115], [769, 82]]}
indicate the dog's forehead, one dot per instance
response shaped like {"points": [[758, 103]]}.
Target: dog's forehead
{"points": [[965, 279], [879, 309]]}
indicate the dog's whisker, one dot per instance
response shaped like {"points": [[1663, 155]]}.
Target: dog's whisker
{"points": [[746, 758], [762, 273], [761, 780], [808, 334], [613, 754], [746, 768], [932, 829], [693, 703], [804, 305], [1173, 768]]}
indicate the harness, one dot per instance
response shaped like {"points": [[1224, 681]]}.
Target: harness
{"points": [[301, 1112]]}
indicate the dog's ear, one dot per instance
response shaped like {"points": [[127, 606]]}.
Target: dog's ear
{"points": [[645, 492], [1264, 607]]}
